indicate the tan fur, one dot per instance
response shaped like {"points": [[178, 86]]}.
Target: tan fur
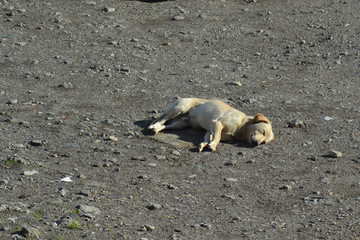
{"points": [[221, 121]]}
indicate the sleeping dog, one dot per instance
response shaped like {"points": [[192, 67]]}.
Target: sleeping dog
{"points": [[221, 121]]}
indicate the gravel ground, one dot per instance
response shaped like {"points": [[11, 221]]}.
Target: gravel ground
{"points": [[82, 80]]}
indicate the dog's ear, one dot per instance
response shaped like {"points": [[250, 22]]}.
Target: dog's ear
{"points": [[260, 118]]}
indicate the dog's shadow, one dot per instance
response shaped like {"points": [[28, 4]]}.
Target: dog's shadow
{"points": [[184, 138]]}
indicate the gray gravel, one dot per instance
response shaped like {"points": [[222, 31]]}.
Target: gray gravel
{"points": [[82, 80]]}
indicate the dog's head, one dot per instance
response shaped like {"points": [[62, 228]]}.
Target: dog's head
{"points": [[260, 131]]}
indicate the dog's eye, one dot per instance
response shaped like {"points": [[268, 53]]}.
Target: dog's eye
{"points": [[263, 132]]}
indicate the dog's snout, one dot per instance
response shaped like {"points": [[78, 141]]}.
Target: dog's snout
{"points": [[255, 143]]}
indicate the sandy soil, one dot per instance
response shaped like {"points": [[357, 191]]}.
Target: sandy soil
{"points": [[81, 81]]}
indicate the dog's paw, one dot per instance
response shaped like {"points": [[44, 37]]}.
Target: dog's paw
{"points": [[153, 129], [211, 147], [201, 147]]}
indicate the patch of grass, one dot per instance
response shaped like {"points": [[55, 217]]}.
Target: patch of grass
{"points": [[74, 225], [76, 211], [37, 215], [10, 162]]}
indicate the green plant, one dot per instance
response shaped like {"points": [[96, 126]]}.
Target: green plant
{"points": [[37, 215], [74, 225]]}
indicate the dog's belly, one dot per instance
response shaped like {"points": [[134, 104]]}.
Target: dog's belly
{"points": [[203, 115]]}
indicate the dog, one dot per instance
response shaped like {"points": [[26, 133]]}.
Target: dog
{"points": [[221, 121]]}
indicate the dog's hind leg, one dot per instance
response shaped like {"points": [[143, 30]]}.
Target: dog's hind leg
{"points": [[175, 110], [178, 124]]}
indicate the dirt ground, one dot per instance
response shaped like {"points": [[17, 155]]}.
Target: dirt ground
{"points": [[82, 80]]}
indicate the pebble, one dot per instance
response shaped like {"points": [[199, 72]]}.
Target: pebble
{"points": [[227, 196], [230, 162], [286, 187], [176, 153], [12, 102], [88, 209], [192, 177], [109, 9], [178, 18], [231, 180], [36, 143], [236, 83], [3, 181], [297, 124], [66, 85], [250, 101], [82, 176], [66, 179], [327, 118], [335, 154], [26, 232], [113, 138], [149, 228], [153, 206], [63, 192], [160, 157], [170, 186], [30, 173]]}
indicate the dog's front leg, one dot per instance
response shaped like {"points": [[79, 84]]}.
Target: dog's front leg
{"points": [[207, 139], [216, 129]]}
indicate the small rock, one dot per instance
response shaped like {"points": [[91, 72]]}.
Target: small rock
{"points": [[176, 153], [19, 145], [153, 206], [66, 179], [160, 157], [12, 101], [113, 138], [25, 123], [230, 162], [230, 197], [36, 143], [85, 193], [178, 18], [34, 62], [66, 85], [192, 177], [327, 118], [30, 173], [286, 187], [170, 186], [250, 101], [139, 158], [82, 176], [236, 83], [26, 232], [3, 181], [109, 9], [335, 154], [205, 225], [231, 180], [149, 228], [63, 192], [88, 209], [297, 124]]}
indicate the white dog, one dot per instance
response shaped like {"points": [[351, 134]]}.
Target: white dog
{"points": [[221, 121]]}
